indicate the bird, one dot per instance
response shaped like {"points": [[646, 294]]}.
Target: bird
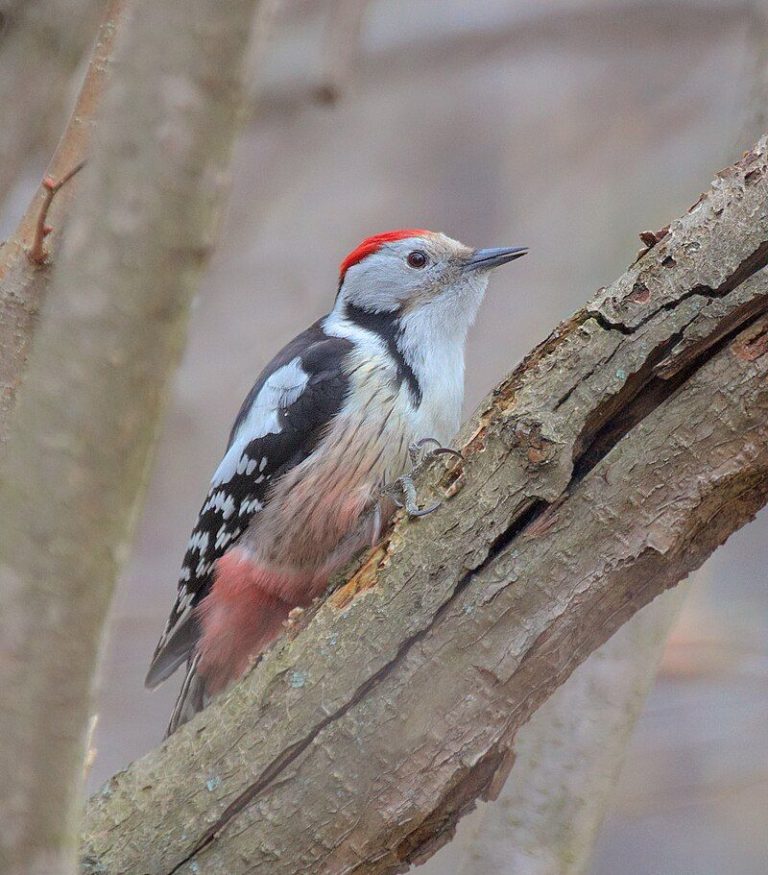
{"points": [[323, 437]]}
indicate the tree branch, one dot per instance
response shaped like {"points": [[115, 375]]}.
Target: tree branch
{"points": [[606, 467], [108, 341], [342, 48], [567, 759], [564, 27], [37, 253]]}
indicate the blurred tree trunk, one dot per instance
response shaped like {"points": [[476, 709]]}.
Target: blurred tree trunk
{"points": [[23, 282], [84, 427], [609, 465]]}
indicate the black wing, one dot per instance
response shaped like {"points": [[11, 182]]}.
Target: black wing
{"points": [[279, 424]]}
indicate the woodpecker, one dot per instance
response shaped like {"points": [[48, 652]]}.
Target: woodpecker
{"points": [[323, 433]]}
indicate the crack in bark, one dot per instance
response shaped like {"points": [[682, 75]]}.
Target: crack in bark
{"points": [[517, 525], [604, 322], [755, 261], [649, 387], [652, 391], [592, 371], [295, 750]]}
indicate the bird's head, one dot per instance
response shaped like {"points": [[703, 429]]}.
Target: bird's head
{"points": [[422, 280]]}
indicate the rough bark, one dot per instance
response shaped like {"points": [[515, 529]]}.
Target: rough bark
{"points": [[23, 284], [108, 340], [567, 759], [41, 43], [611, 463]]}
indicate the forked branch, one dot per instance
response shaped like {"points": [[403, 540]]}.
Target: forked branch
{"points": [[51, 187]]}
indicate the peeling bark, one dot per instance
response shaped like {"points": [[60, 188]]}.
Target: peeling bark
{"points": [[607, 466]]}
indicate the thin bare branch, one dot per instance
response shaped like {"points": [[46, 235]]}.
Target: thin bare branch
{"points": [[37, 254], [42, 44], [341, 48]]}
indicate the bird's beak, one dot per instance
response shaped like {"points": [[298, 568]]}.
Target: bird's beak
{"points": [[485, 259]]}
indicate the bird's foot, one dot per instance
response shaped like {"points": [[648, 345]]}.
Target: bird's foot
{"points": [[403, 493], [418, 453], [403, 490]]}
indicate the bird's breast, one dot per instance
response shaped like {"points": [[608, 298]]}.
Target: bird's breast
{"points": [[317, 504]]}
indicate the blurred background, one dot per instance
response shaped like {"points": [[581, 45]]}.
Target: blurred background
{"points": [[568, 126]]}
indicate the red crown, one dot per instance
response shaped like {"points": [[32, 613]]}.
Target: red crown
{"points": [[373, 244]]}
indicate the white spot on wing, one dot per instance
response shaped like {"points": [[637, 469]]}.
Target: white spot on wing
{"points": [[185, 597], [203, 568], [199, 542], [250, 506], [280, 390], [224, 536], [220, 501]]}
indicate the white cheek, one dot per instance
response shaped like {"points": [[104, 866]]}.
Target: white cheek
{"points": [[447, 318]]}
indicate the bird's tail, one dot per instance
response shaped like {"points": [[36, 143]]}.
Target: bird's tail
{"points": [[191, 699]]}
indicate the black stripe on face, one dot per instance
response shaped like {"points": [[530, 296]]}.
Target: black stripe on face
{"points": [[387, 326]]}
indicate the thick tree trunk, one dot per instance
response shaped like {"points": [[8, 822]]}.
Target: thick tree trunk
{"points": [[610, 464], [108, 341]]}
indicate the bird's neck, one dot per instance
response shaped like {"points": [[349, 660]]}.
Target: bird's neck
{"points": [[427, 351], [434, 350]]}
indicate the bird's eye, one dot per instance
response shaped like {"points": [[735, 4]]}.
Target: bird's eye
{"points": [[417, 259]]}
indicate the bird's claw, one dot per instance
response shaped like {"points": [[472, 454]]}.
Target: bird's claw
{"points": [[403, 490], [417, 454], [403, 493]]}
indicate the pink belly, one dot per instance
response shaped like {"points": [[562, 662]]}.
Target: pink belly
{"points": [[243, 614], [319, 516]]}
